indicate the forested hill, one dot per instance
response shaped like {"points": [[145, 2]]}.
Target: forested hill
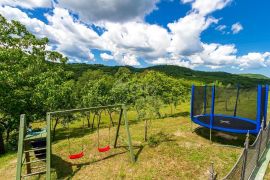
{"points": [[256, 76], [179, 72]]}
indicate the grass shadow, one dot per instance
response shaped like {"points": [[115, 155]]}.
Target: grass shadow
{"points": [[62, 168], [156, 139], [224, 138]]}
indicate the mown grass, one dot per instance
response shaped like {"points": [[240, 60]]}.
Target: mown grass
{"points": [[173, 151]]}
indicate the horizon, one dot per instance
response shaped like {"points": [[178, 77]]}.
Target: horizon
{"points": [[204, 35]]}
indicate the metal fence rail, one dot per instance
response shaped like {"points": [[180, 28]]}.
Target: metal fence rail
{"points": [[250, 157]]}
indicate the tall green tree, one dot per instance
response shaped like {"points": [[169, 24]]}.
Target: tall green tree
{"points": [[23, 61]]}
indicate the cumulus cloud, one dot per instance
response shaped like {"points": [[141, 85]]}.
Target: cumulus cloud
{"points": [[106, 56], [28, 4], [205, 7], [236, 28], [186, 33], [127, 39], [254, 60], [110, 10]]}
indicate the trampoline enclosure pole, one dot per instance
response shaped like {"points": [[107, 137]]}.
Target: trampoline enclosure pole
{"points": [[259, 106], [236, 102], [191, 106], [266, 104], [204, 105], [212, 111]]}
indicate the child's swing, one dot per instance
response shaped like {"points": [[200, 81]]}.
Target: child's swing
{"points": [[76, 155], [106, 148]]}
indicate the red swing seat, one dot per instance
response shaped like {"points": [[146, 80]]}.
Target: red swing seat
{"points": [[104, 149], [76, 156]]}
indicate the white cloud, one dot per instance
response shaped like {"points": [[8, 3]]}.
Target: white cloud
{"points": [[215, 55], [186, 33], [236, 28], [28, 4], [106, 56], [254, 60], [221, 28], [129, 39], [110, 10], [142, 39], [130, 59], [186, 1], [205, 7]]}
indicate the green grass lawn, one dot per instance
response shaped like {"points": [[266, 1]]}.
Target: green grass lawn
{"points": [[172, 152]]}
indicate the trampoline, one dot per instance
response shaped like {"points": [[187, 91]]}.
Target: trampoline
{"points": [[236, 110]]}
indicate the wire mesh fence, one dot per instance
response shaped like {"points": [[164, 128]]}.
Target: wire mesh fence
{"points": [[250, 157]]}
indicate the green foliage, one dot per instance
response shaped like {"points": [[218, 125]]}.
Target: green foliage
{"points": [[25, 74]]}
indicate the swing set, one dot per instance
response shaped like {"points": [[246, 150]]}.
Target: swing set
{"points": [[100, 149]]}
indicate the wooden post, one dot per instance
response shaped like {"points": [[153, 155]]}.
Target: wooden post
{"points": [[243, 172], [145, 129], [48, 147], [20, 147], [259, 149], [28, 165]]}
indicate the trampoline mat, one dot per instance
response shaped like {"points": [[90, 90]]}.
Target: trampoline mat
{"points": [[227, 122]]}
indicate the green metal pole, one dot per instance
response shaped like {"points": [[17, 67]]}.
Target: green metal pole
{"points": [[48, 147], [20, 147], [132, 156]]}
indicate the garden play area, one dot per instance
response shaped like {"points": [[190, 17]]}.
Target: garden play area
{"points": [[109, 142]]}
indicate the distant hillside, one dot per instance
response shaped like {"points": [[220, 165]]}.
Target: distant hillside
{"points": [[256, 76], [178, 72]]}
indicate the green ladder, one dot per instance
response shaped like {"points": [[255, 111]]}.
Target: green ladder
{"points": [[28, 156]]}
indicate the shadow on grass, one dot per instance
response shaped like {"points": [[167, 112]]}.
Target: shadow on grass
{"points": [[64, 169], [156, 139], [179, 114], [224, 138]]}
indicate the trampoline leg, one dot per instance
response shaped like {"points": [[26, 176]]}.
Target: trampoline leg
{"points": [[191, 126], [210, 135]]}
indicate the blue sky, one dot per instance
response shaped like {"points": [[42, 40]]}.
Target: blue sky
{"points": [[210, 35]]}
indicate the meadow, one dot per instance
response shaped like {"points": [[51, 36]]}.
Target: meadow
{"points": [[172, 151]]}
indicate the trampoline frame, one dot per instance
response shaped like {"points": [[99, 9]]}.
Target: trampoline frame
{"points": [[260, 117]]}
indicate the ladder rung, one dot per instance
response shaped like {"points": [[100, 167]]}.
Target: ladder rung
{"points": [[35, 149], [35, 161], [40, 154], [34, 173], [38, 167]]}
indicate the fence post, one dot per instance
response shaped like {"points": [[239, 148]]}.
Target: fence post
{"points": [[245, 157], [213, 174], [260, 143], [267, 135]]}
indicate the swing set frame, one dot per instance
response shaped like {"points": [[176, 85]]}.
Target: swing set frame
{"points": [[123, 113]]}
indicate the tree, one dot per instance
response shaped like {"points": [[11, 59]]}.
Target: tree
{"points": [[23, 60]]}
